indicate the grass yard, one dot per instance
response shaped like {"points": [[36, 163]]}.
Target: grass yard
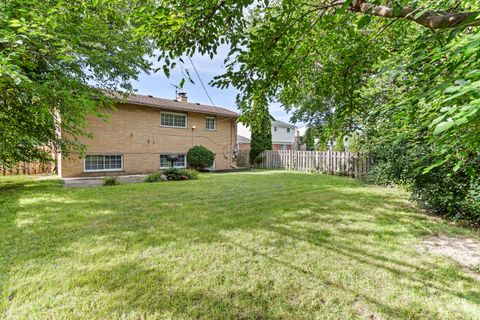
{"points": [[256, 245]]}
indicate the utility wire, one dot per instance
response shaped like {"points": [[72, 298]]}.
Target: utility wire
{"points": [[201, 82]]}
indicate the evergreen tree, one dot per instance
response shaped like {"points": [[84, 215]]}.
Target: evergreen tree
{"points": [[310, 139], [261, 138]]}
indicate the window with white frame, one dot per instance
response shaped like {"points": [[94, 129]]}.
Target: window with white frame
{"points": [[103, 162], [210, 123], [180, 162], [176, 120], [288, 130]]}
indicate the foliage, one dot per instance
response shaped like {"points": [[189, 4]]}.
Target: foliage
{"points": [[354, 143], [191, 174], [154, 177], [172, 174], [322, 144], [258, 160], [56, 60], [308, 139], [261, 138], [179, 174], [148, 251], [441, 190], [339, 144], [111, 181], [199, 157]]}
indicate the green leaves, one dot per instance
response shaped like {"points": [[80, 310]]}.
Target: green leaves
{"points": [[363, 22], [56, 58], [443, 126]]}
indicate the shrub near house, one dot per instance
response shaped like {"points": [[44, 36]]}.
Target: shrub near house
{"points": [[199, 157]]}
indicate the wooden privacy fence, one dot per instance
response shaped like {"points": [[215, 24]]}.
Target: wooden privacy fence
{"points": [[329, 162], [243, 158], [28, 168]]}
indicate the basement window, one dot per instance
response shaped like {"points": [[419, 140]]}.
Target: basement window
{"points": [[103, 162], [166, 161]]}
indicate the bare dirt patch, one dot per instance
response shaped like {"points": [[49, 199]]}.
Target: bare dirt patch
{"points": [[465, 251]]}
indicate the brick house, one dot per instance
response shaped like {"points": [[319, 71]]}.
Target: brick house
{"points": [[144, 132]]}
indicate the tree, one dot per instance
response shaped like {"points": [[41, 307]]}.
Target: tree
{"points": [[339, 144], [308, 139], [57, 58], [261, 128]]}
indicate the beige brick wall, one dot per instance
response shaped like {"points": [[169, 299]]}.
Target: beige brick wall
{"points": [[135, 132]]}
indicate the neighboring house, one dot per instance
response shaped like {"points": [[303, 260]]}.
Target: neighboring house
{"points": [[145, 134], [243, 143], [283, 135]]}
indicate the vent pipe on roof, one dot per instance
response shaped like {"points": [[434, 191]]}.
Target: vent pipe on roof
{"points": [[182, 97]]}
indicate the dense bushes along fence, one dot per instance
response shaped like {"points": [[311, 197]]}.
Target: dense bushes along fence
{"points": [[329, 162]]}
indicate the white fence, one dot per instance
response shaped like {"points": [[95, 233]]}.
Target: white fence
{"points": [[329, 162]]}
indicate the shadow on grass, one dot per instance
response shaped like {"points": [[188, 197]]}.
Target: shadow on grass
{"points": [[96, 229]]}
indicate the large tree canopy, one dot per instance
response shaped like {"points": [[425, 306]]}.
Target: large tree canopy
{"points": [[403, 74], [286, 49], [56, 57]]}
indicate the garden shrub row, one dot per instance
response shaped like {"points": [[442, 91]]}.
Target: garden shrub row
{"points": [[172, 174]]}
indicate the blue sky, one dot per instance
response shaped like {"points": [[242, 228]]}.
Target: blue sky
{"points": [[159, 85]]}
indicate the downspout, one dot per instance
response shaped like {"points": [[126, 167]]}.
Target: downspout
{"points": [[232, 128]]}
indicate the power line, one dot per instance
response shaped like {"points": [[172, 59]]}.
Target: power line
{"points": [[201, 82]]}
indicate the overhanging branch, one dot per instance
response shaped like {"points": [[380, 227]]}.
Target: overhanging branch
{"points": [[427, 18]]}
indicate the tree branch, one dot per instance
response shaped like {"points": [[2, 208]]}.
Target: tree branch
{"points": [[428, 18]]}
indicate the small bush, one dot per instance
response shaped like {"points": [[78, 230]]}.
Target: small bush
{"points": [[191, 174], [111, 181], [180, 174], [199, 157], [154, 177], [172, 174]]}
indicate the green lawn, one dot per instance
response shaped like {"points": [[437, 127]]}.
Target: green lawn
{"points": [[262, 245]]}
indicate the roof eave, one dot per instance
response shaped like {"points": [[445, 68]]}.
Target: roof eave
{"points": [[177, 109]]}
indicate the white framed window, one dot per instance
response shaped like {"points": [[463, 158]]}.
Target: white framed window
{"points": [[210, 123], [165, 163], [173, 120], [288, 130], [274, 128], [103, 162]]}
